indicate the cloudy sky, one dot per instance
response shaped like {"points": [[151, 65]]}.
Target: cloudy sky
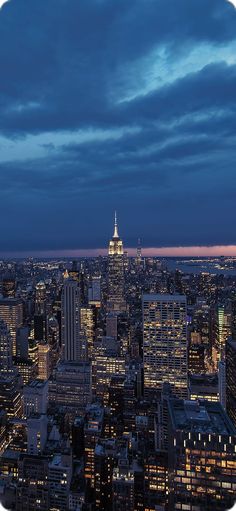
{"points": [[116, 104]]}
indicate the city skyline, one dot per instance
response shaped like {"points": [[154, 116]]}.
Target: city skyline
{"points": [[117, 255]]}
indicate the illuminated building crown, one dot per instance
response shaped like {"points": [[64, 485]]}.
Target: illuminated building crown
{"points": [[116, 244]]}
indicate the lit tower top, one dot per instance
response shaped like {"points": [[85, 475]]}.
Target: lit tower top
{"points": [[139, 249], [115, 235], [116, 244]]}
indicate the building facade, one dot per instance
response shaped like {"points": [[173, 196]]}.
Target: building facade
{"points": [[71, 321], [165, 343]]}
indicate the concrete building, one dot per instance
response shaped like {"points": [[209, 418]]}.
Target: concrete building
{"points": [[70, 321], [36, 433], [70, 387], [35, 398], [116, 301], [201, 454], [165, 343], [231, 380], [59, 479], [11, 311]]}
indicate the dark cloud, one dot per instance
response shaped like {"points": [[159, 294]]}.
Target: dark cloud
{"points": [[132, 105]]}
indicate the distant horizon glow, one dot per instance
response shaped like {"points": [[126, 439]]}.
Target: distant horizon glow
{"points": [[191, 251]]}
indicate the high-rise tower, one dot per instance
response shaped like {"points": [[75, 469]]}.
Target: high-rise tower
{"points": [[71, 321], [165, 343], [11, 311], [40, 298], [5, 348], [116, 300], [138, 258]]}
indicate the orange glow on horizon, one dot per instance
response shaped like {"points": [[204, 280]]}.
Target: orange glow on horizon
{"points": [[191, 251]]}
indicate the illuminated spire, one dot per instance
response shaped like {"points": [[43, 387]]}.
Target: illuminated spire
{"points": [[139, 249], [116, 235]]}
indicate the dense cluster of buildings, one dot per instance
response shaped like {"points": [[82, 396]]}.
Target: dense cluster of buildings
{"points": [[117, 385]]}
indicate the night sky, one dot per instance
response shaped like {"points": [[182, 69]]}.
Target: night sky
{"points": [[117, 104]]}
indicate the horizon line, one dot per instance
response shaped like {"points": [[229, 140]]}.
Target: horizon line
{"points": [[177, 251]]}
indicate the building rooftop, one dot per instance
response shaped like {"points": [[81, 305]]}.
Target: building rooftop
{"points": [[60, 461], [163, 297], [204, 381], [94, 418], [200, 417], [37, 384], [10, 301], [10, 454], [73, 367]]}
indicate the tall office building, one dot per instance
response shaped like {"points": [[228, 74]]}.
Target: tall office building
{"points": [[222, 382], [70, 387], [10, 392], [11, 311], [123, 486], [43, 361], [93, 429], [231, 380], [40, 327], [201, 457], [32, 491], [35, 398], [233, 317], [40, 312], [86, 332], [59, 477], [83, 286], [94, 292], [36, 433], [22, 342], [5, 348], [138, 258], [53, 339], [116, 300], [71, 321], [40, 298], [223, 332], [111, 325], [165, 343]]}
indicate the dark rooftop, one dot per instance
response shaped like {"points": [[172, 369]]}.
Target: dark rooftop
{"points": [[200, 416]]}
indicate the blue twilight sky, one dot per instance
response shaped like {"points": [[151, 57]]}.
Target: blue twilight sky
{"points": [[117, 104]]}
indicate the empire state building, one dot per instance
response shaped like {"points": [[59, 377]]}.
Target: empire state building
{"points": [[116, 300]]}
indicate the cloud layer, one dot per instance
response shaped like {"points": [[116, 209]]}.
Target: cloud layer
{"points": [[117, 105]]}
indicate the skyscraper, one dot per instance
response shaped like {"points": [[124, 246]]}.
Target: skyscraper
{"points": [[165, 342], [94, 292], [5, 348], [86, 332], [43, 360], [231, 380], [138, 258], [11, 311], [40, 298], [223, 331], [116, 300], [71, 321], [10, 397]]}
